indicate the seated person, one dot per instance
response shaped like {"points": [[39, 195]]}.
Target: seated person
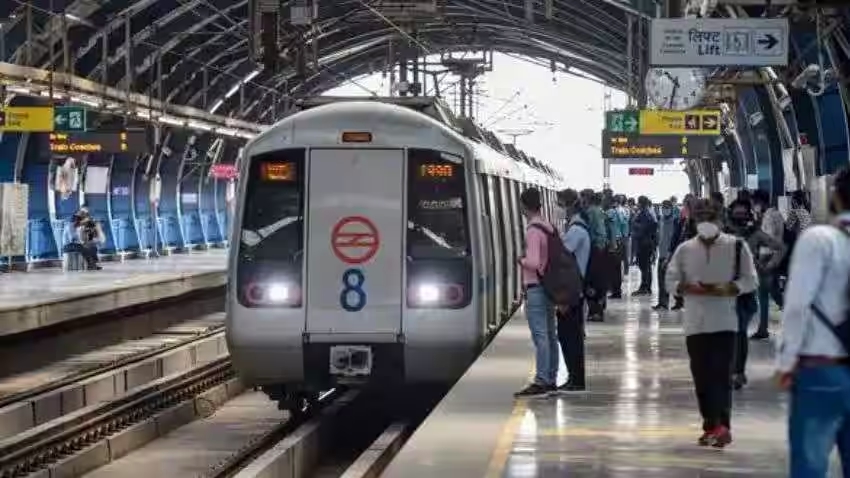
{"points": [[85, 238]]}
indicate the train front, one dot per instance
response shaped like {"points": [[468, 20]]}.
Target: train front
{"points": [[354, 261]]}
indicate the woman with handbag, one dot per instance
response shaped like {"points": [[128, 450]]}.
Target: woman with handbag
{"points": [[767, 254]]}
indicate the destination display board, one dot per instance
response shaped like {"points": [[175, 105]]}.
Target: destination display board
{"points": [[632, 146], [107, 142]]}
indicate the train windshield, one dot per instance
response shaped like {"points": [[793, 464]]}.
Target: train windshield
{"points": [[436, 206], [273, 215]]}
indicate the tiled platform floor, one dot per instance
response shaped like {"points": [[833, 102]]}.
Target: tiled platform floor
{"points": [[42, 298], [639, 417], [24, 289]]}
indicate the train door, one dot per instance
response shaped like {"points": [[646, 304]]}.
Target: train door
{"points": [[355, 234]]}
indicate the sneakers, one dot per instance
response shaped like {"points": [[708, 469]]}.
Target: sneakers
{"points": [[678, 307], [760, 335], [570, 387], [719, 437], [535, 390], [660, 307]]}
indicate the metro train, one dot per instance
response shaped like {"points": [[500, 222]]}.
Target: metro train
{"points": [[372, 244]]}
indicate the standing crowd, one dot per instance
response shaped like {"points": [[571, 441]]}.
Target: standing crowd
{"points": [[722, 265]]}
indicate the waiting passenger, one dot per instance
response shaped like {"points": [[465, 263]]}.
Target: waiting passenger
{"points": [[88, 235], [667, 226], [773, 224], [813, 358], [704, 270], [576, 239], [645, 233], [599, 257], [768, 253], [618, 230], [539, 310]]}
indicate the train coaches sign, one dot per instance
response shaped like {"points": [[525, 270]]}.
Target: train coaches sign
{"points": [[719, 42]]}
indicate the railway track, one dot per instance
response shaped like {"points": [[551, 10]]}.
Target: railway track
{"points": [[37, 397], [42, 447]]}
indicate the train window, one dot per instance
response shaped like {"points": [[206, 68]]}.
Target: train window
{"points": [[436, 206], [273, 214]]}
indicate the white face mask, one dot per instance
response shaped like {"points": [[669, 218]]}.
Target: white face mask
{"points": [[707, 230]]}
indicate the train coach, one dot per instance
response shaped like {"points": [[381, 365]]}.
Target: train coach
{"points": [[372, 244]]}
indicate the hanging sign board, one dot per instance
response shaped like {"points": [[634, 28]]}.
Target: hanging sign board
{"points": [[719, 42]]}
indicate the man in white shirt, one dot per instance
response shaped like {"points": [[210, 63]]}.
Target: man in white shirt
{"points": [[705, 270], [812, 362]]}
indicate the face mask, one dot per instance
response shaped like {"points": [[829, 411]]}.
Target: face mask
{"points": [[707, 230], [666, 212]]}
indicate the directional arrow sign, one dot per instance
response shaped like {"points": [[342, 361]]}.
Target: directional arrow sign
{"points": [[710, 122], [622, 121], [768, 41], [69, 118]]}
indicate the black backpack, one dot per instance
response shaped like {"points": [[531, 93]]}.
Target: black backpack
{"points": [[841, 330], [561, 279]]}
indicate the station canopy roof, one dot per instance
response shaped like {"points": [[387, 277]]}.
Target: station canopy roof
{"points": [[190, 43]]}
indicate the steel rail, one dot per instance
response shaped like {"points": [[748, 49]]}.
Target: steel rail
{"points": [[34, 450], [98, 369]]}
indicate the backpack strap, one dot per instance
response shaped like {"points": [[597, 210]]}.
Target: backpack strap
{"points": [[815, 309], [739, 244], [539, 227]]}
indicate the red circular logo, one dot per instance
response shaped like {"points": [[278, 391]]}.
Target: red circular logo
{"points": [[355, 240]]}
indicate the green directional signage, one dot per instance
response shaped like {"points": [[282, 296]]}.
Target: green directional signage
{"points": [[625, 121], [69, 118]]}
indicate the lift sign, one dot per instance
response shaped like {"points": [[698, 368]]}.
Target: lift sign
{"points": [[354, 240]]}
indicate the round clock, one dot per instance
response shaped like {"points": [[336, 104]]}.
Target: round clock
{"points": [[675, 88]]}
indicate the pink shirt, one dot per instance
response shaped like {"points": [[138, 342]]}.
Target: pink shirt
{"points": [[536, 253]]}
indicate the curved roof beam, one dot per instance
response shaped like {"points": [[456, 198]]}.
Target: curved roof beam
{"points": [[363, 63]]}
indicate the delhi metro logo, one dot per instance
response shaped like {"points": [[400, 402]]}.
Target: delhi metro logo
{"points": [[355, 240]]}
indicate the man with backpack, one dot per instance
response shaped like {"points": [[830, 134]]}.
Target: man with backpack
{"points": [[539, 307], [813, 359], [577, 242]]}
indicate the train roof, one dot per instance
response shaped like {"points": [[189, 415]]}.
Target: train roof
{"points": [[437, 109]]}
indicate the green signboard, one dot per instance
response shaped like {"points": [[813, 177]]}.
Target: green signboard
{"points": [[69, 118], [622, 121]]}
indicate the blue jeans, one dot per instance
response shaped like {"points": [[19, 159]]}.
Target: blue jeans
{"points": [[819, 418], [768, 288], [541, 321]]}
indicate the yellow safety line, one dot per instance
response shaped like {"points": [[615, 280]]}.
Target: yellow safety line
{"points": [[502, 450], [505, 444]]}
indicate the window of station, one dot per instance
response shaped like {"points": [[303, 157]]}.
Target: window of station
{"points": [[436, 206]]}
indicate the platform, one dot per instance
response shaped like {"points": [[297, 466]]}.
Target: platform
{"points": [[45, 297], [638, 418]]}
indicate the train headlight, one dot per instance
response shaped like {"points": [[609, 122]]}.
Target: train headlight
{"points": [[273, 294], [277, 292], [428, 294], [435, 295]]}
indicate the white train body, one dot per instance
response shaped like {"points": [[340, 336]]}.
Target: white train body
{"points": [[371, 243]]}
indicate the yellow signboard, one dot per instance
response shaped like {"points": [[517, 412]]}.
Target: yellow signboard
{"points": [[29, 119], [691, 123]]}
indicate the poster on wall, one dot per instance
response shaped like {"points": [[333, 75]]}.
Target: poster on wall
{"points": [[66, 178], [14, 204], [97, 180]]}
